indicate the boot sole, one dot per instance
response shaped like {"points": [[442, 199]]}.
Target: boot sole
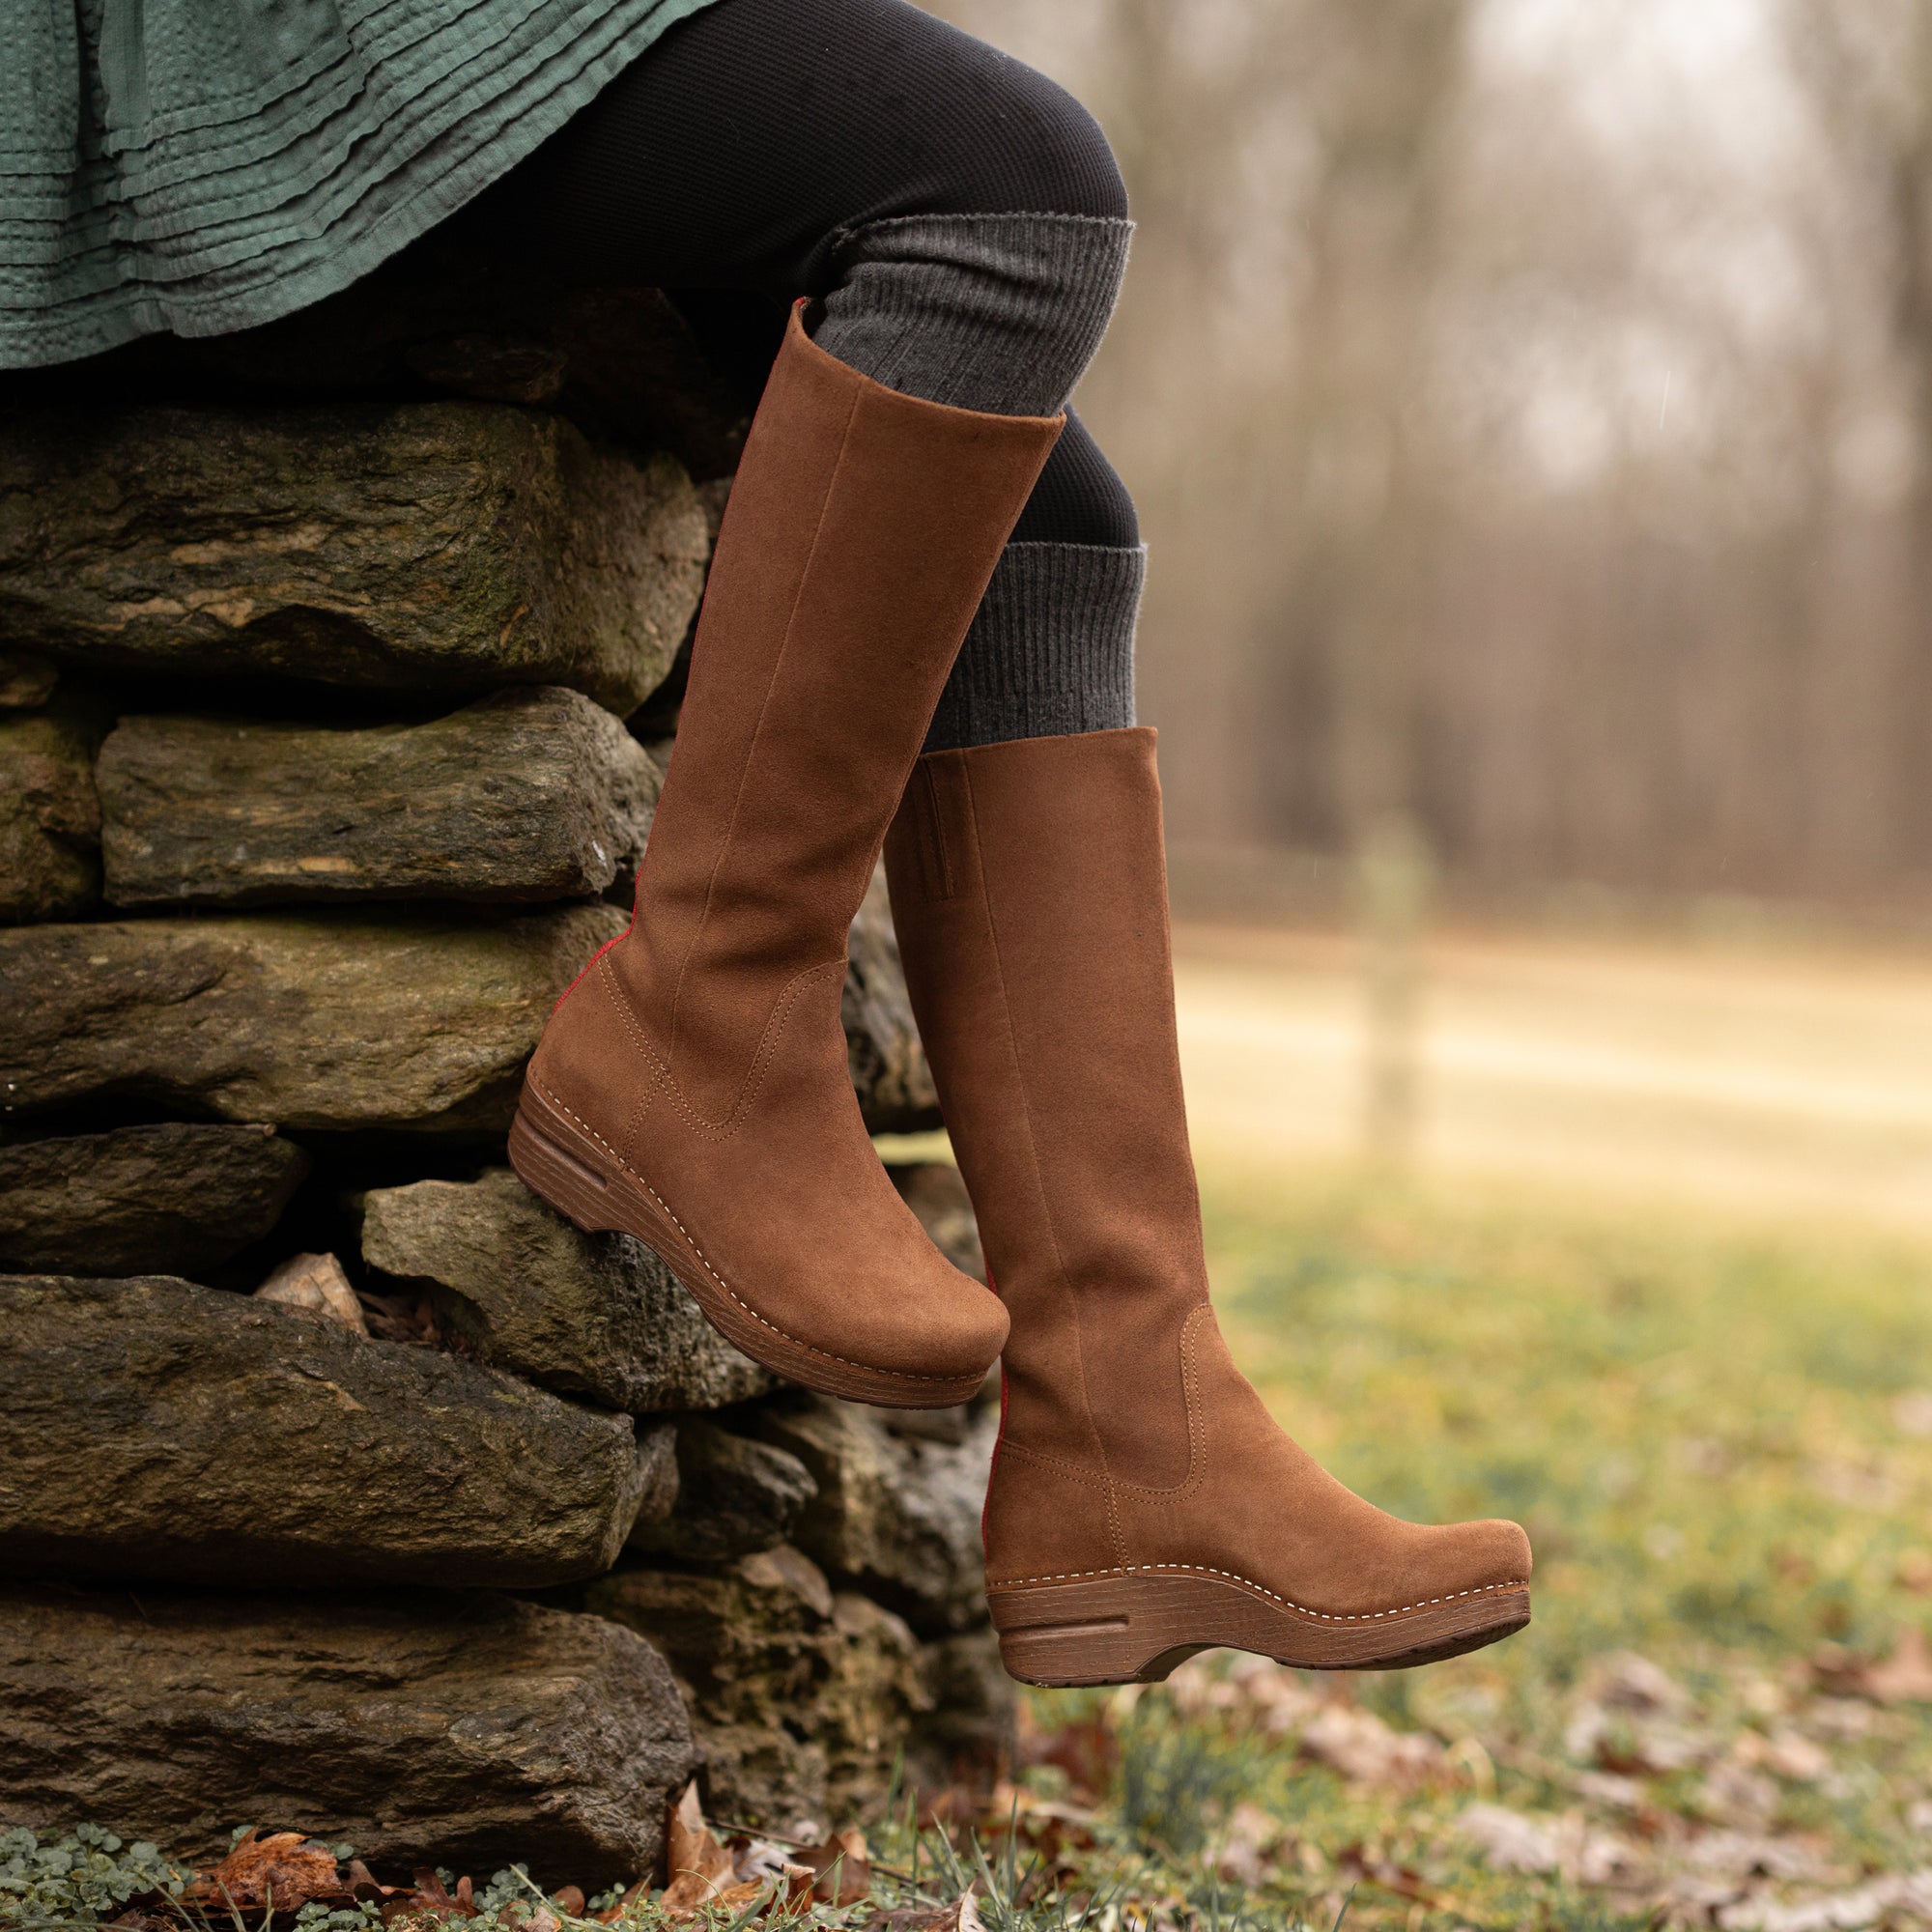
{"points": [[556, 1160], [1135, 1629]]}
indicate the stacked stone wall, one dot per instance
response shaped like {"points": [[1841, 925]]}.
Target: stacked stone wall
{"points": [[344, 1487]]}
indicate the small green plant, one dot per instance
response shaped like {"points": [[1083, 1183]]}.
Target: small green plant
{"points": [[79, 1878], [316, 1917]]}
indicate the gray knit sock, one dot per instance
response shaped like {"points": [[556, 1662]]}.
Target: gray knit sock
{"points": [[1051, 650], [1001, 313], [994, 312]]}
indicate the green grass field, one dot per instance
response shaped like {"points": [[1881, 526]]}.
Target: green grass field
{"points": [[1721, 1443]]}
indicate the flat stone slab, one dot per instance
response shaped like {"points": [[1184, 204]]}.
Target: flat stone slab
{"points": [[896, 1515], [621, 363], [523, 795], [453, 1728], [452, 546], [801, 1697], [49, 816], [317, 1020], [152, 1200], [735, 1497], [160, 1430], [597, 1314]]}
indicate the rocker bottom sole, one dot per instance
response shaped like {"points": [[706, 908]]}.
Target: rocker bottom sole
{"points": [[1136, 1628]]}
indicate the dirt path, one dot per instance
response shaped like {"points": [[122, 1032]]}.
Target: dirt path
{"points": [[1769, 1082]]}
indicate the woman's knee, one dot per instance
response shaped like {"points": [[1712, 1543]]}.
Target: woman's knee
{"points": [[945, 123], [990, 283], [1037, 149], [1079, 497]]}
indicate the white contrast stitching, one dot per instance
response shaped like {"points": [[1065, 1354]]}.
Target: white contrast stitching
{"points": [[1234, 1576], [904, 1375]]}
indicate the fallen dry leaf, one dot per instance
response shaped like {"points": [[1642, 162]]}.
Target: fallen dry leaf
{"points": [[1754, 1855], [1905, 1677], [410, 1320], [698, 1867], [795, 1893], [427, 1898], [1363, 1749], [361, 1882], [285, 1872], [314, 1285], [961, 1916], [1624, 1681], [842, 1868], [757, 1858], [1908, 1895], [1510, 1841]]}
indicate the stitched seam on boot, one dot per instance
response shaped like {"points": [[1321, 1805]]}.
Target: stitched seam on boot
{"points": [[1197, 1426], [938, 863], [1114, 1524], [765, 705], [1072, 1473], [797, 1341], [1196, 1434], [768, 1046], [1073, 1470], [1287, 1603]]}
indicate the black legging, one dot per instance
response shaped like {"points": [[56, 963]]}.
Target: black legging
{"points": [[741, 150]]}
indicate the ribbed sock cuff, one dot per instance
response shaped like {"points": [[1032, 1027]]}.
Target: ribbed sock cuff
{"points": [[993, 312], [1051, 650]]}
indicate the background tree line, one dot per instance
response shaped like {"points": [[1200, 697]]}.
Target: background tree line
{"points": [[1529, 405]]}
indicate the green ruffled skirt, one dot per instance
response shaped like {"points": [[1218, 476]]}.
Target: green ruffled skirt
{"points": [[203, 165]]}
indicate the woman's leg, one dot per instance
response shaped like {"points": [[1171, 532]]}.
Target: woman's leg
{"points": [[964, 224], [692, 1088], [958, 223], [1051, 649]]}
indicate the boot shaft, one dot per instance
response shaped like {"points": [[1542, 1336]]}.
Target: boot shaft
{"points": [[862, 529], [1029, 889], [693, 1089]]}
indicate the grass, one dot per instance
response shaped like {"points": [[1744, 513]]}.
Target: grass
{"points": [[1708, 1434], [1721, 1442]]}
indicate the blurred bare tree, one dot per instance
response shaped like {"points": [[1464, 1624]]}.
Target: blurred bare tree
{"points": [[1530, 409]]}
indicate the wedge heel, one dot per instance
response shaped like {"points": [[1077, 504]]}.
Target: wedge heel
{"points": [[1135, 1627]]}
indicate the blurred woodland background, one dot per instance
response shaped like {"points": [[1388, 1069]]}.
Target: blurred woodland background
{"points": [[1529, 405]]}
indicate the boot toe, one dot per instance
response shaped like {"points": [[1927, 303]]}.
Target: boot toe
{"points": [[944, 1324], [1501, 1551], [1457, 1560]]}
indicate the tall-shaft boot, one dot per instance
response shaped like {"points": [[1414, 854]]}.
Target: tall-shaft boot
{"points": [[693, 1086], [1144, 1504]]}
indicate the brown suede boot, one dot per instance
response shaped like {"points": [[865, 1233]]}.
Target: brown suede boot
{"points": [[1144, 1504], [693, 1086]]}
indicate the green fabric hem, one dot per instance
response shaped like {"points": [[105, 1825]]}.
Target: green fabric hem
{"points": [[454, 139]]}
